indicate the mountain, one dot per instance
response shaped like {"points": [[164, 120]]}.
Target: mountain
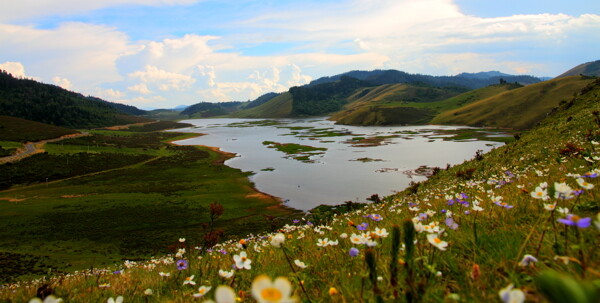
{"points": [[50, 104], [209, 109], [408, 104], [261, 100], [519, 108], [471, 81], [587, 69], [278, 107]]}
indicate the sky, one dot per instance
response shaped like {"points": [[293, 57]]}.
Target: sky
{"points": [[165, 53]]}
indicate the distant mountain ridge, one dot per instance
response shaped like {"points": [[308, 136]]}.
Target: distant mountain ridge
{"points": [[591, 69]]}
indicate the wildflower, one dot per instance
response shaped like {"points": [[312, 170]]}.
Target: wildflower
{"points": [[363, 226], [333, 291], [48, 299], [148, 292], [376, 217], [450, 223], [225, 274], [242, 261], [344, 236], [540, 193], [333, 243], [354, 252], [164, 274], [189, 280], [182, 264], [181, 240], [180, 253], [574, 220], [475, 272], [437, 242], [277, 240], [550, 206], [381, 232], [266, 291], [104, 285], [299, 263], [323, 242], [562, 191], [119, 299], [584, 184], [503, 204], [510, 295], [203, 290], [528, 260]]}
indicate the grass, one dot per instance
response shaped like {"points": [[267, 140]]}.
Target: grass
{"points": [[297, 151], [278, 107], [21, 130], [103, 198], [403, 248], [520, 108]]}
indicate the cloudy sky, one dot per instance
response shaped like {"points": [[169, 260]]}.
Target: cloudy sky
{"points": [[164, 53]]}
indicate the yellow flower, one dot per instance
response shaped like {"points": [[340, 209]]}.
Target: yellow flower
{"points": [[266, 291], [333, 291]]}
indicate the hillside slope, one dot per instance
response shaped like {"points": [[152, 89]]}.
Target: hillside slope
{"points": [[520, 108], [277, 107], [21, 130], [50, 104], [586, 69], [408, 104]]}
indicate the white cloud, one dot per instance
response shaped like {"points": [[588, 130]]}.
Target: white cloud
{"points": [[140, 88], [163, 79], [62, 82], [110, 94], [15, 68]]}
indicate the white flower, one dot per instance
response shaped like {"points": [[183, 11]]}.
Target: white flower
{"points": [[164, 274], [437, 242], [266, 291], [225, 274], [110, 300], [562, 191], [381, 232], [540, 193], [224, 294], [332, 243], [323, 242], [203, 290], [584, 184], [277, 240], [371, 243], [563, 210], [299, 263], [48, 299], [357, 239], [527, 260], [344, 236], [181, 240], [510, 295], [242, 261], [549, 206], [189, 280], [148, 292]]}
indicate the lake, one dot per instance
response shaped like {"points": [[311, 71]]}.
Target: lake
{"points": [[358, 161]]}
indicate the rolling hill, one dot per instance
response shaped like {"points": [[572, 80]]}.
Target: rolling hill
{"points": [[519, 108], [50, 104], [278, 107], [407, 104], [586, 69], [21, 130]]}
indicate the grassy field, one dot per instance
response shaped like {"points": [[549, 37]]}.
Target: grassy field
{"points": [[21, 130], [518, 224], [115, 195]]}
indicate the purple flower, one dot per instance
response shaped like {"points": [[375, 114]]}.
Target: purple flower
{"points": [[467, 212], [451, 202], [503, 204], [527, 260], [222, 251], [444, 211], [376, 217], [422, 216], [309, 223], [509, 174], [451, 224], [578, 192], [117, 272], [354, 252], [296, 221], [574, 220], [590, 175], [464, 196], [363, 226], [182, 264]]}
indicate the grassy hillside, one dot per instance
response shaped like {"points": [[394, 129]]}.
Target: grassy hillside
{"points": [[21, 130], [278, 107], [488, 230], [520, 108], [406, 104], [586, 69]]}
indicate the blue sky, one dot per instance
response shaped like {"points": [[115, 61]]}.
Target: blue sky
{"points": [[163, 53]]}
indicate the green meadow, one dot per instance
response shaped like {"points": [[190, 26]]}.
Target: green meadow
{"points": [[115, 195]]}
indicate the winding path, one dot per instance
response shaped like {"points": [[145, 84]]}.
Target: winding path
{"points": [[32, 148]]}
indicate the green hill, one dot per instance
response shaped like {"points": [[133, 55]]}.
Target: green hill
{"points": [[406, 104], [585, 69], [278, 107], [50, 104], [519, 108], [21, 130]]}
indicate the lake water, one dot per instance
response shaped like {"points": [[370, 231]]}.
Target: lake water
{"points": [[349, 170]]}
